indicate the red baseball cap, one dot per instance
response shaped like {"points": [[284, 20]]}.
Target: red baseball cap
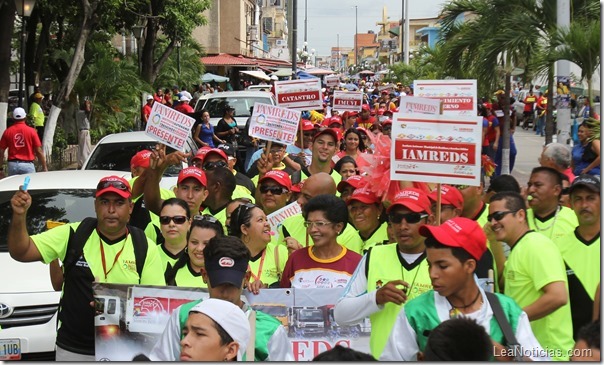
{"points": [[413, 199], [297, 188], [356, 181], [381, 111], [365, 107], [387, 122], [114, 184], [326, 121], [278, 176], [141, 159], [335, 119], [364, 195], [332, 132], [459, 232], [449, 195], [194, 173], [201, 153], [306, 125], [217, 151]]}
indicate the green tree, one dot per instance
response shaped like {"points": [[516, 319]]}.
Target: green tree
{"points": [[580, 43]]}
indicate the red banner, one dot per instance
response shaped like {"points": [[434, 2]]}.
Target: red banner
{"points": [[435, 152]]}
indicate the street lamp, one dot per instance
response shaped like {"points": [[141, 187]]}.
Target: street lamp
{"points": [[138, 32], [24, 9]]}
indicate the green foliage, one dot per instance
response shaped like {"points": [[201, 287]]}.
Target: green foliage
{"points": [[426, 64], [113, 85], [191, 67]]}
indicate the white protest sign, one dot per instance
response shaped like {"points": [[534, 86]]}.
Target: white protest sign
{"points": [[459, 97], [132, 318], [436, 148], [277, 217], [299, 94], [347, 101], [169, 126], [412, 104], [273, 123], [332, 81]]}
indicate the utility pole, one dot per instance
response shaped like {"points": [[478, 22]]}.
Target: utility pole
{"points": [[338, 46], [305, 21], [563, 70], [294, 35], [356, 34], [406, 33]]}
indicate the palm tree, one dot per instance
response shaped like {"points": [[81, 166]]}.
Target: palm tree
{"points": [[581, 45]]}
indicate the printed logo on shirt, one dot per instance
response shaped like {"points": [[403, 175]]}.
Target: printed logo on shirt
{"points": [[570, 272], [129, 265], [378, 284]]}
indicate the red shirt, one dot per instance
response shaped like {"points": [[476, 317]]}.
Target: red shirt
{"points": [[147, 110], [529, 102], [304, 270], [21, 141], [366, 123], [184, 108]]}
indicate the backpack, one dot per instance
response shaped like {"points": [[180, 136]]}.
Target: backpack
{"points": [[77, 240]]}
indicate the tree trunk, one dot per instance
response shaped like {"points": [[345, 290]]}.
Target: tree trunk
{"points": [[589, 96], [7, 21], [505, 134], [30, 51], [88, 23], [549, 116]]}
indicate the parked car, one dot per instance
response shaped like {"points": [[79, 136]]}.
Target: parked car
{"points": [[113, 152], [28, 303], [259, 88], [240, 100]]}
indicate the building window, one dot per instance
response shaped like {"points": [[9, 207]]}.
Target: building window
{"points": [[267, 24]]}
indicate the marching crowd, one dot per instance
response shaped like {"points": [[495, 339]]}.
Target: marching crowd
{"points": [[517, 268]]}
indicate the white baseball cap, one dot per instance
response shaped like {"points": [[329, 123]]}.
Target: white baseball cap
{"points": [[19, 113], [149, 97], [184, 98], [230, 317]]}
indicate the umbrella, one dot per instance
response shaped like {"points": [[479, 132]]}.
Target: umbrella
{"points": [[257, 74], [304, 75], [208, 77]]}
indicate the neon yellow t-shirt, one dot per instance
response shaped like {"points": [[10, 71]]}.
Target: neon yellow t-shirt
{"points": [[52, 244], [271, 270], [187, 277], [583, 258], [36, 114], [555, 227], [379, 237], [535, 262]]}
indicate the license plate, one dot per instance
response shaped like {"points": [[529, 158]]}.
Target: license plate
{"points": [[10, 349]]}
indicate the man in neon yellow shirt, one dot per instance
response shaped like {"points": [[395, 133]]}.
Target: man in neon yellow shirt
{"points": [[109, 255], [535, 276], [36, 115]]}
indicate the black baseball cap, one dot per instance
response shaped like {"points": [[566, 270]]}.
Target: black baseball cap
{"points": [[226, 270], [228, 149], [591, 182]]}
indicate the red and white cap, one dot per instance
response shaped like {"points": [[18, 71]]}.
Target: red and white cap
{"points": [[356, 181], [278, 176], [141, 159], [449, 195], [459, 232], [192, 173], [364, 195], [114, 184], [217, 151], [413, 199]]}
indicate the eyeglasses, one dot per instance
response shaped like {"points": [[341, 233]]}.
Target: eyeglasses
{"points": [[116, 184], [177, 219], [319, 224], [275, 190], [212, 165], [499, 215], [410, 218], [205, 217]]}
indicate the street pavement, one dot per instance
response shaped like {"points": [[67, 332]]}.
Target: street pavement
{"points": [[529, 148]]}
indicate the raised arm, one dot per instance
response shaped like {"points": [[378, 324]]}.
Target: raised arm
{"points": [[20, 245]]}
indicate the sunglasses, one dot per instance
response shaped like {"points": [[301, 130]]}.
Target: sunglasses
{"points": [[116, 184], [205, 217], [243, 209], [212, 165], [177, 219], [275, 190], [499, 215], [410, 218]]}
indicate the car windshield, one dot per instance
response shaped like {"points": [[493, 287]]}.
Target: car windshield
{"points": [[116, 156], [242, 105], [311, 315], [65, 206]]}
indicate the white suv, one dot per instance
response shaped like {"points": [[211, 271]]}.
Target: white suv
{"points": [[242, 101], [28, 303]]}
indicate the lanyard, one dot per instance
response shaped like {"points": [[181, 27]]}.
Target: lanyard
{"points": [[257, 276], [114, 260], [414, 277]]}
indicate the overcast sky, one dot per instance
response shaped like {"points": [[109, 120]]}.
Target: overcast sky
{"points": [[327, 18]]}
